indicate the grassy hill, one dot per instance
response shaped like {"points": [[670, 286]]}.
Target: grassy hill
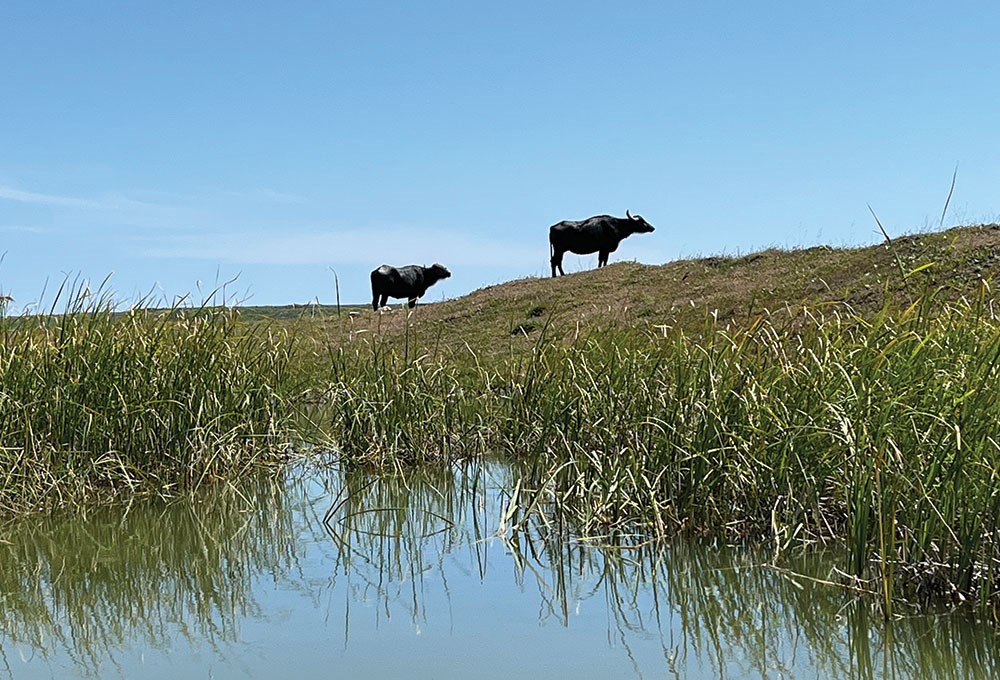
{"points": [[648, 298]]}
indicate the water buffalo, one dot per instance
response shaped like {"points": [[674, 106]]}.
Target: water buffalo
{"points": [[408, 282], [600, 234]]}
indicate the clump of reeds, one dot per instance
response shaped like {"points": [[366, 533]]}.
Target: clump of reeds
{"points": [[95, 400], [880, 432]]}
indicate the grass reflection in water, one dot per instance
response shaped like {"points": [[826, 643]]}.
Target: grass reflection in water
{"points": [[713, 610], [412, 570], [157, 572]]}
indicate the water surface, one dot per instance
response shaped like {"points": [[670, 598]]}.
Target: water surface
{"points": [[330, 574]]}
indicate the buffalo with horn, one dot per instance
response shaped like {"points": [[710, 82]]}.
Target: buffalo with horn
{"points": [[600, 234]]}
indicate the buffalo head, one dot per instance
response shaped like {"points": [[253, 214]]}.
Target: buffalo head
{"points": [[439, 271], [639, 225]]}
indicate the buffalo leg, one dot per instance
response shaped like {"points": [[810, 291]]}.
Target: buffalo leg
{"points": [[557, 262], [384, 301], [412, 303], [602, 258]]}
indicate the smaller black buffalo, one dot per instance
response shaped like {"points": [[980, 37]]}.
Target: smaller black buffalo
{"points": [[600, 234], [408, 282]]}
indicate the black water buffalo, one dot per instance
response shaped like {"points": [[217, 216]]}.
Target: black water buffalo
{"points": [[408, 282], [600, 234]]}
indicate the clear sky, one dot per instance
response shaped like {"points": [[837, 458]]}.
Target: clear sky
{"points": [[180, 145]]}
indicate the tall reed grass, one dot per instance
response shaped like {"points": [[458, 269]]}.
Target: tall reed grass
{"points": [[95, 400], [877, 431]]}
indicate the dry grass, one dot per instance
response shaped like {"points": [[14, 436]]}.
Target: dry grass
{"points": [[508, 318]]}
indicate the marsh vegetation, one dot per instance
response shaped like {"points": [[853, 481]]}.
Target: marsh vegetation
{"points": [[863, 415], [98, 401]]}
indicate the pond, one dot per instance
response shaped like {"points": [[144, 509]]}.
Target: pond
{"points": [[425, 575]]}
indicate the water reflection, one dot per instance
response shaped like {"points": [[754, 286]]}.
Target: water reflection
{"points": [[428, 574], [85, 588], [705, 610]]}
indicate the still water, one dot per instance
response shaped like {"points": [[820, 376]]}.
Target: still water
{"points": [[336, 575]]}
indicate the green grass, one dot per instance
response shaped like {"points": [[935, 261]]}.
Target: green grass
{"points": [[95, 401]]}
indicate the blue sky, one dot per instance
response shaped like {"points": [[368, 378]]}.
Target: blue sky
{"points": [[177, 146]]}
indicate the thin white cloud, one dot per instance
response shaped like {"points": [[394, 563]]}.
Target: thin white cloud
{"points": [[144, 210], [363, 247], [152, 216], [111, 202], [24, 228], [12, 194], [265, 194]]}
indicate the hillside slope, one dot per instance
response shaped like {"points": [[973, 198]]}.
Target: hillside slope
{"points": [[687, 292]]}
